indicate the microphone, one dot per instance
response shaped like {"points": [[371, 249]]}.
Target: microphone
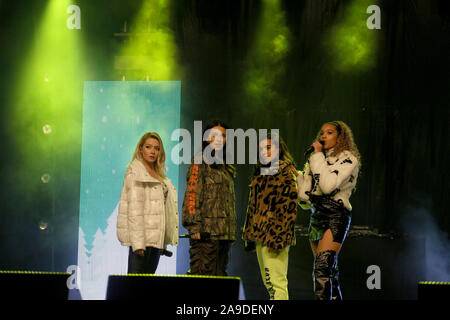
{"points": [[203, 236], [311, 149], [166, 253]]}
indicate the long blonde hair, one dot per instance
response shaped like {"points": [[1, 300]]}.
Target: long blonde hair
{"points": [[160, 163], [344, 141]]}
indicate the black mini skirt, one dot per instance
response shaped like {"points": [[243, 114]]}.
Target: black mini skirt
{"points": [[328, 214]]}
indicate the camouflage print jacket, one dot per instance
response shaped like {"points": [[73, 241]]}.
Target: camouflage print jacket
{"points": [[209, 201]]}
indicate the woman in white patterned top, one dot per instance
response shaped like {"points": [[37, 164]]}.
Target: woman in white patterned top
{"points": [[325, 186]]}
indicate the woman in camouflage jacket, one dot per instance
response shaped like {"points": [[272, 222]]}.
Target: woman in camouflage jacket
{"points": [[209, 207]]}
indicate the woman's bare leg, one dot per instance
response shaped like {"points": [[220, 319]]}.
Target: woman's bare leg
{"points": [[327, 243]]}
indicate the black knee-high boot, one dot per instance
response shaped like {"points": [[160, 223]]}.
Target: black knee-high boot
{"points": [[323, 273], [336, 293]]}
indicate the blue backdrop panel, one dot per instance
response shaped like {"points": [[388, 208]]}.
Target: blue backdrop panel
{"points": [[115, 116]]}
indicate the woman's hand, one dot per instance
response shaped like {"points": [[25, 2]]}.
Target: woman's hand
{"points": [[317, 146], [195, 236], [140, 252]]}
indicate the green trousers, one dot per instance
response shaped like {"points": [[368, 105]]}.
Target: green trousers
{"points": [[274, 267]]}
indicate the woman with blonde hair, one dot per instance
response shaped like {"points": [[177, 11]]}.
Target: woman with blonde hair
{"points": [[148, 214], [325, 186]]}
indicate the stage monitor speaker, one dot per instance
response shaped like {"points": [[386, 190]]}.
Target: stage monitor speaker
{"points": [[34, 285], [432, 290], [173, 287]]}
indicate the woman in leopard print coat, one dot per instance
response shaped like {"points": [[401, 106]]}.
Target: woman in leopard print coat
{"points": [[271, 214]]}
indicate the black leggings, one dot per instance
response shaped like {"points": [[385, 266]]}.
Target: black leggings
{"points": [[144, 264]]}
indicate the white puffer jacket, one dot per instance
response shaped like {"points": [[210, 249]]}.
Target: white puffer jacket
{"points": [[144, 219], [335, 176]]}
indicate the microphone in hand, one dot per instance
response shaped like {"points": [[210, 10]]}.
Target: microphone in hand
{"points": [[166, 253], [311, 149], [203, 236]]}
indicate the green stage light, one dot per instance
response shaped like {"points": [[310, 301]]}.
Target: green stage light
{"points": [[266, 59], [351, 43], [150, 53], [45, 112]]}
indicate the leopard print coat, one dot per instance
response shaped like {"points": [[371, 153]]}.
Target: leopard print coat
{"points": [[272, 209]]}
